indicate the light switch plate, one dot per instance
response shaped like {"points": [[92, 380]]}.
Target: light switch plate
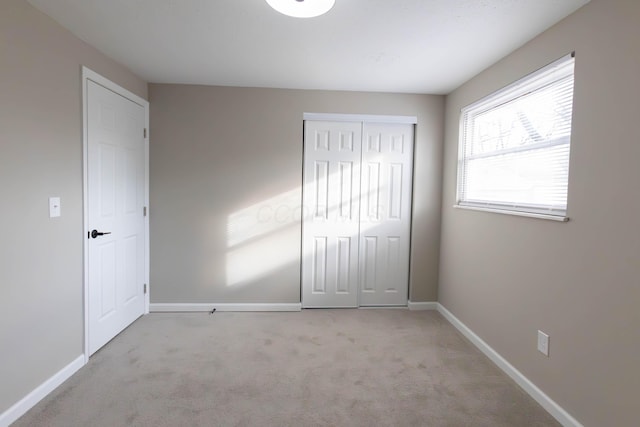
{"points": [[54, 207], [543, 343]]}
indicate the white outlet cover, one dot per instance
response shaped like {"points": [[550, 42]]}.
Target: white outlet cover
{"points": [[543, 343], [54, 207]]}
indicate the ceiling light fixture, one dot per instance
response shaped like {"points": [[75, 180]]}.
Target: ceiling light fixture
{"points": [[302, 8]]}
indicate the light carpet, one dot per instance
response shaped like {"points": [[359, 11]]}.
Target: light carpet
{"points": [[309, 368]]}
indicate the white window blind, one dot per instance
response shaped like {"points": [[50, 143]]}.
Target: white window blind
{"points": [[515, 144]]}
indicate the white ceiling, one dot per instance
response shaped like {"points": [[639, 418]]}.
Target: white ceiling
{"points": [[416, 46]]}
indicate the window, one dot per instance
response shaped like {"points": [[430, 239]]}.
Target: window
{"points": [[514, 146]]}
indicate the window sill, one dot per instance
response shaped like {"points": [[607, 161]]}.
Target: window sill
{"points": [[515, 213]]}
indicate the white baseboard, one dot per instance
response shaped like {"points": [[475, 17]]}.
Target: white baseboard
{"points": [[159, 308], [30, 400], [562, 416], [414, 306]]}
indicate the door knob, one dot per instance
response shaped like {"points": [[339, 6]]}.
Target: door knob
{"points": [[96, 233]]}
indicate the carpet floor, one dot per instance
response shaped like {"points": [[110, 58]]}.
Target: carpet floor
{"points": [[309, 368]]}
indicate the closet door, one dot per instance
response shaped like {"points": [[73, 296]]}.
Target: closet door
{"points": [[385, 214], [331, 197]]}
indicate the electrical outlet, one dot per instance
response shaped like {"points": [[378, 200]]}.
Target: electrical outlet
{"points": [[543, 343]]}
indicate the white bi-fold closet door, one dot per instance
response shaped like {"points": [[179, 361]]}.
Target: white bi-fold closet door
{"points": [[357, 213]]}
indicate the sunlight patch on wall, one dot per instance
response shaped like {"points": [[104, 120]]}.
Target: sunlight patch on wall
{"points": [[256, 260], [263, 237], [264, 217]]}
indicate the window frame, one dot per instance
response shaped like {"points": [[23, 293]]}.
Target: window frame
{"points": [[532, 82]]}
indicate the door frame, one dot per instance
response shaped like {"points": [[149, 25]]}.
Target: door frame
{"points": [[89, 75], [364, 118]]}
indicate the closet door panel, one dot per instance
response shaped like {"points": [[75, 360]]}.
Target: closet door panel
{"points": [[331, 220], [385, 224]]}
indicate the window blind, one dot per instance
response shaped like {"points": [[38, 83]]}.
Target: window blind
{"points": [[515, 144]]}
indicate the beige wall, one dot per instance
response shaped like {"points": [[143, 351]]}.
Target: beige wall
{"points": [[220, 156], [506, 277], [41, 306]]}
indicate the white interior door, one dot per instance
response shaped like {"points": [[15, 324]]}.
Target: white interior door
{"points": [[385, 214], [331, 214], [116, 194]]}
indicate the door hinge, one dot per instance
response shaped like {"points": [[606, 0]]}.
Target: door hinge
{"points": [[145, 132], [145, 288], [144, 211]]}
